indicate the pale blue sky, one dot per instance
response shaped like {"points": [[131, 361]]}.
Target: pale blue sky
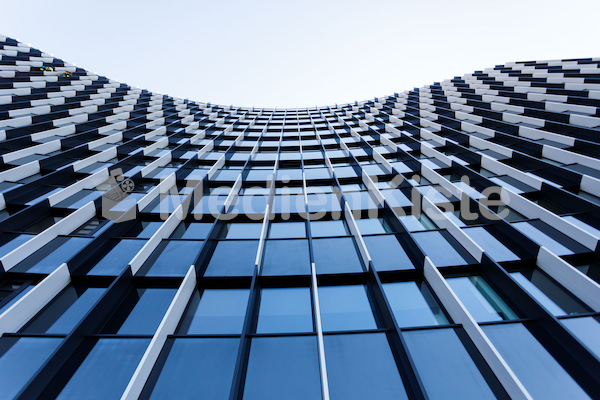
{"points": [[303, 53]]}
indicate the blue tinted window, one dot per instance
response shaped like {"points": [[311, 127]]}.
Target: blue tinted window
{"points": [[192, 230], [387, 253], [147, 312], [448, 372], [286, 257], [328, 228], [323, 202], [373, 226], [197, 369], [250, 205], [248, 230], [361, 366], [546, 236], [360, 200], [22, 291], [118, 258], [548, 293], [233, 258], [288, 203], [396, 198], [337, 255], [587, 330], [149, 228], [52, 255], [417, 223], [413, 304], [20, 358], [106, 371], [287, 230], [482, 302], [66, 311], [492, 246], [13, 244], [285, 310], [345, 308], [283, 368], [538, 371], [173, 258], [218, 311], [439, 250]]}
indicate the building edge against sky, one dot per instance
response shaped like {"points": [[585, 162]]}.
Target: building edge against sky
{"points": [[433, 244]]}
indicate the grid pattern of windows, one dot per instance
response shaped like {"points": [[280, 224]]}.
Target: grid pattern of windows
{"points": [[437, 243]]}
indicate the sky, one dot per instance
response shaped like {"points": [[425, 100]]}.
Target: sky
{"points": [[267, 53]]}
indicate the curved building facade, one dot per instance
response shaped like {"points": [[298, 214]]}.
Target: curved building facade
{"points": [[440, 243]]}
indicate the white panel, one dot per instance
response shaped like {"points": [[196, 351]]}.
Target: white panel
{"points": [[167, 327], [20, 172], [62, 227], [356, 233], [532, 210], [570, 277], [17, 315], [161, 161], [165, 230], [460, 315], [443, 221], [86, 183]]}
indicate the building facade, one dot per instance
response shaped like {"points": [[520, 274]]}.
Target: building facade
{"points": [[440, 243]]}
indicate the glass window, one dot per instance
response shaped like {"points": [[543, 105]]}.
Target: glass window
{"points": [[387, 253], [286, 230], [141, 312], [52, 255], [538, 371], [449, 372], [413, 304], [548, 237], [218, 311], [336, 255], [373, 226], [490, 244], [438, 249], [11, 292], [63, 314], [482, 302], [15, 242], [580, 224], [414, 223], [287, 204], [197, 369], [396, 198], [242, 230], [360, 200], [118, 258], [361, 366], [323, 202], [548, 293], [283, 368], [285, 310], [106, 371], [587, 330], [192, 230], [328, 228], [233, 258], [286, 257], [20, 359], [149, 228], [172, 258], [345, 308]]}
